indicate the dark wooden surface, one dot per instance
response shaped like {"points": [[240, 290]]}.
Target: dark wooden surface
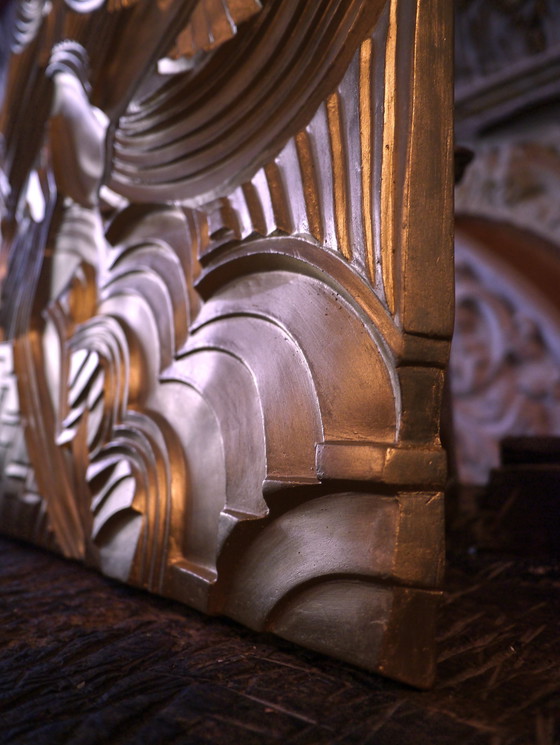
{"points": [[84, 660]]}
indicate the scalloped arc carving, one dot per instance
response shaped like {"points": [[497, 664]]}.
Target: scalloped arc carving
{"points": [[229, 302]]}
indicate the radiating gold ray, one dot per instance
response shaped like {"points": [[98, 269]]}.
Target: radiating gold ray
{"points": [[367, 146], [388, 233], [339, 175]]}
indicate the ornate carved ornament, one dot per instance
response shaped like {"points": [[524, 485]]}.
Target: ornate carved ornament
{"points": [[515, 180], [505, 358], [228, 303], [507, 59]]}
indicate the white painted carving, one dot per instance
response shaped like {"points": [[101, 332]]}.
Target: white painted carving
{"points": [[516, 179], [505, 360]]}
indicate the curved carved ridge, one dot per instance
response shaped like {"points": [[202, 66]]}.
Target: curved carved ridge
{"points": [[186, 140], [212, 23], [361, 588], [113, 365], [228, 347], [355, 523], [367, 611]]}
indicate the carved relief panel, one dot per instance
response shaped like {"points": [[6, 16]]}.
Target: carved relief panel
{"points": [[227, 304]]}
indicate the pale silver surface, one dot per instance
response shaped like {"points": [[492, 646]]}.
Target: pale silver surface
{"points": [[230, 319]]}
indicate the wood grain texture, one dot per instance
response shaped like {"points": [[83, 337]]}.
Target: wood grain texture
{"points": [[85, 660]]}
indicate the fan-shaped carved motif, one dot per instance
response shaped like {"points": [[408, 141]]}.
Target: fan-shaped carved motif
{"points": [[228, 307]]}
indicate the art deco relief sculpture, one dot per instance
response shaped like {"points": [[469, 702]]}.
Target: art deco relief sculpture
{"points": [[227, 304]]}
